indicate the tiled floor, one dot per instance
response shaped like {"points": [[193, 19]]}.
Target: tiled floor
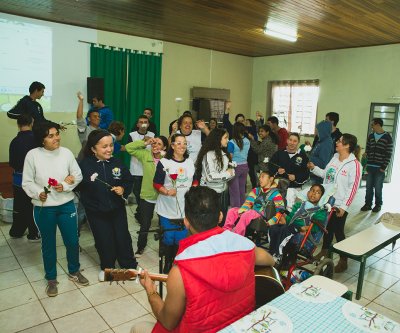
{"points": [[101, 307]]}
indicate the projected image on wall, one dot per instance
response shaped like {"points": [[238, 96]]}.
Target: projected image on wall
{"points": [[25, 56]]}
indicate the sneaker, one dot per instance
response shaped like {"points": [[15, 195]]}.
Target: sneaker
{"points": [[78, 278], [365, 208], [34, 239], [139, 253], [376, 209], [51, 289], [101, 276]]}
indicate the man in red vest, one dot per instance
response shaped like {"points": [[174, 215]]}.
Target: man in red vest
{"points": [[212, 283]]}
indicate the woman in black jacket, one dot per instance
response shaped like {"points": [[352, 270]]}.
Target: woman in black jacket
{"points": [[106, 184]]}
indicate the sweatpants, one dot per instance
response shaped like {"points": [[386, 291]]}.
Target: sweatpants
{"points": [[244, 220], [112, 238], [47, 219], [146, 215], [22, 215]]}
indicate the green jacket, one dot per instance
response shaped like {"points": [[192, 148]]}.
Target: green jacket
{"points": [[319, 215], [138, 149]]}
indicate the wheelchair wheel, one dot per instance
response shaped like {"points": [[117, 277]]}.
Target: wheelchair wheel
{"points": [[325, 268]]}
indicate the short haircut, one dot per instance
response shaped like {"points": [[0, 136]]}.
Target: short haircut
{"points": [[334, 117], [294, 134], [202, 208], [24, 119], [351, 140], [99, 97], [36, 86], [273, 120], [185, 115], [94, 137], [150, 109], [116, 127], [322, 189], [378, 121], [41, 130], [92, 110], [142, 116], [239, 115]]}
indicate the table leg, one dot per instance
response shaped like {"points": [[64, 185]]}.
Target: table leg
{"points": [[361, 277]]}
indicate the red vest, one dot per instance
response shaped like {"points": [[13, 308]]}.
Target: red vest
{"points": [[217, 269]]}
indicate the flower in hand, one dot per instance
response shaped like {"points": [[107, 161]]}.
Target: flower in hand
{"points": [[51, 182], [307, 148]]}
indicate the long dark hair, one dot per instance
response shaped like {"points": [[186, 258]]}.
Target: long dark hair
{"points": [[238, 131], [212, 143], [271, 134], [170, 152]]}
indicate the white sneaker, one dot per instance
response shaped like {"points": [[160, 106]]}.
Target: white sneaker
{"points": [[101, 276]]}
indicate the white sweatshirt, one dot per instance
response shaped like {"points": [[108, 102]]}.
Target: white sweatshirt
{"points": [[42, 164], [346, 174], [211, 177]]}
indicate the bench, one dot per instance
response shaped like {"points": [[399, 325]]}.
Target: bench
{"points": [[365, 243]]}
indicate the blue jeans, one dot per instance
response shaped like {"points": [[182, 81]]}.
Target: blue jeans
{"points": [[47, 219], [375, 178]]}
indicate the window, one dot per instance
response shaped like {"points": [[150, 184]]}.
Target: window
{"points": [[294, 103]]}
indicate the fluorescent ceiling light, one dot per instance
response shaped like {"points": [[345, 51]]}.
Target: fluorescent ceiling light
{"points": [[281, 30]]}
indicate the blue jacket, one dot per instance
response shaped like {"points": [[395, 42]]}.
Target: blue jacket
{"points": [[323, 151]]}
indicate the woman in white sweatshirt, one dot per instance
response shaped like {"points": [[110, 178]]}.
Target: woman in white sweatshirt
{"points": [[213, 165], [50, 174], [344, 170]]}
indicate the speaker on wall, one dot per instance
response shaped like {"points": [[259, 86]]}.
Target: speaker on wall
{"points": [[202, 107], [95, 87]]}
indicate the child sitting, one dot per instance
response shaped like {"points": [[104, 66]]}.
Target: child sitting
{"points": [[255, 204], [298, 220]]}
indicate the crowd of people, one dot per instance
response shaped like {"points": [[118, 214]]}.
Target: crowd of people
{"points": [[190, 180]]}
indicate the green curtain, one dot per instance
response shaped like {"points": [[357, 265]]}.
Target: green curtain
{"points": [[144, 86], [111, 64], [132, 81]]}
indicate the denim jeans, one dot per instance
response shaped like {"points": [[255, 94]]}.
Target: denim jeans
{"points": [[375, 178]]}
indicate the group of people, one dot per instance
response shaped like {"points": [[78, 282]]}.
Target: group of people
{"points": [[189, 179]]}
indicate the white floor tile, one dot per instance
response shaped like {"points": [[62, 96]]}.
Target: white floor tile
{"points": [[12, 278], [86, 321], [16, 296], [125, 328], [121, 310], [42, 328], [103, 292]]}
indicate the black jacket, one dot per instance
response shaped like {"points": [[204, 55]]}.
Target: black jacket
{"points": [[297, 165], [29, 106], [96, 195], [379, 152]]}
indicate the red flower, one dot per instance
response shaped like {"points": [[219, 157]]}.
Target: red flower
{"points": [[52, 182], [174, 176]]}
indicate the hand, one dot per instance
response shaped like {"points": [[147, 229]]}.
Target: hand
{"points": [[291, 177], [80, 95], [307, 143], [147, 138], [148, 141], [281, 171], [119, 190], [63, 128], [70, 180], [382, 170], [364, 155], [228, 105], [231, 171], [42, 196], [340, 212], [282, 219], [171, 192], [251, 137], [304, 229], [258, 115], [174, 127], [200, 124], [310, 165], [147, 283], [59, 188]]}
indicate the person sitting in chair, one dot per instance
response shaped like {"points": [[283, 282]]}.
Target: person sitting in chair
{"points": [[256, 205], [212, 283], [298, 220]]}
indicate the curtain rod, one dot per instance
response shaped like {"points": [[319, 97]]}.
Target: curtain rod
{"points": [[117, 47]]}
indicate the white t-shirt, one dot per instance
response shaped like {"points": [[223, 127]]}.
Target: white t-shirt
{"points": [[193, 144], [168, 206], [136, 168]]}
